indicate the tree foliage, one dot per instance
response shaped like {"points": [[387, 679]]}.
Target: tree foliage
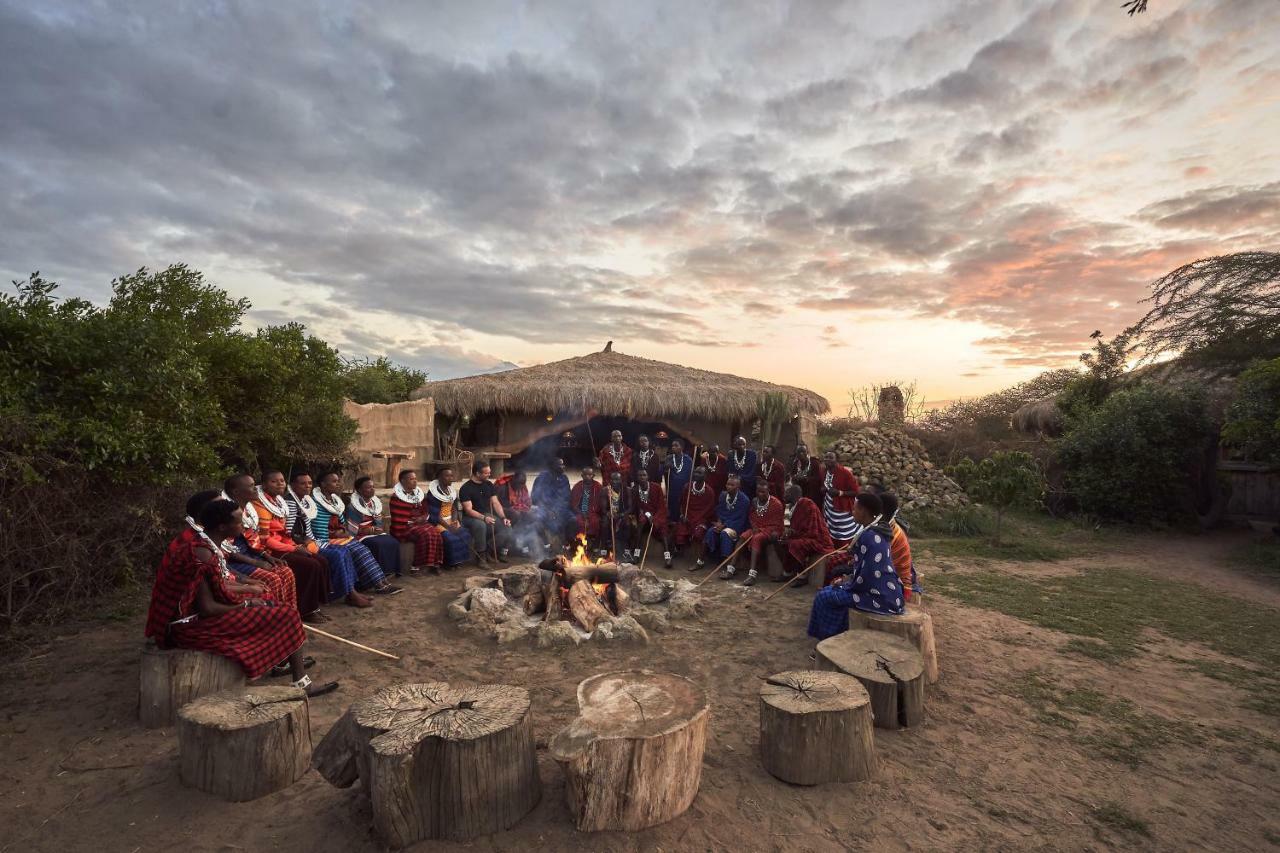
{"points": [[864, 402], [1003, 481], [1253, 418], [1222, 311], [1131, 457], [380, 380]]}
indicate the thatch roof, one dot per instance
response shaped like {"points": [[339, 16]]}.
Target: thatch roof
{"points": [[613, 384]]}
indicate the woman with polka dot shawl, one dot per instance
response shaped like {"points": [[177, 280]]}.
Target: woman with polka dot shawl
{"points": [[868, 580]]}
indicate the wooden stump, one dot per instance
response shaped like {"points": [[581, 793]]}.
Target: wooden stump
{"points": [[889, 668], [170, 678], [244, 744], [915, 626], [437, 762], [633, 757], [816, 727]]}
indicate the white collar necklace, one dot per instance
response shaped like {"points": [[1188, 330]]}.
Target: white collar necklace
{"points": [[739, 462], [306, 504], [248, 515], [442, 496], [332, 503], [761, 508], [714, 462], [414, 497], [698, 488], [643, 495], [677, 463], [217, 550], [274, 503], [731, 498], [808, 464], [616, 452], [372, 508]]}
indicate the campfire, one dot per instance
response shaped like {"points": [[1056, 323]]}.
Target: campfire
{"points": [[583, 589]]}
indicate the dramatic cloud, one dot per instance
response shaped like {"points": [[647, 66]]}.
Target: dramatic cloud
{"points": [[469, 187]]}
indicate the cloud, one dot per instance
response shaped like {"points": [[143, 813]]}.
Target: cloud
{"points": [[1220, 209]]}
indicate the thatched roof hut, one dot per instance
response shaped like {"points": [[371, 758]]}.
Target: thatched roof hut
{"points": [[510, 410]]}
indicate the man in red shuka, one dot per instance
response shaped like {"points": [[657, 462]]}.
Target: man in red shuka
{"points": [[805, 537], [698, 507], [766, 527]]}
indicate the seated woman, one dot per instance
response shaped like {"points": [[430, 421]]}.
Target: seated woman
{"points": [[364, 516], [310, 570], [410, 522], [330, 529], [196, 604], [344, 578], [246, 555], [445, 511], [900, 548], [867, 582]]}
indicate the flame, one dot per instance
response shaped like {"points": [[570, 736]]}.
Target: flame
{"points": [[600, 588], [582, 558]]}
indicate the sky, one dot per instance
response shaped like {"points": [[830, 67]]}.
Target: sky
{"points": [[823, 194]]}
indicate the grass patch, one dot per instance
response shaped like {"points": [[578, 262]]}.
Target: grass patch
{"points": [[1262, 687], [1113, 606], [966, 533], [1118, 730], [1115, 816], [1262, 558]]}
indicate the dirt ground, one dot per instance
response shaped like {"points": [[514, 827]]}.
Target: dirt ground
{"points": [[77, 772]]}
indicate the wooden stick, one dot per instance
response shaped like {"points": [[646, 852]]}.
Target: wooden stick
{"points": [[693, 462], [744, 541], [315, 630], [644, 556], [799, 575]]}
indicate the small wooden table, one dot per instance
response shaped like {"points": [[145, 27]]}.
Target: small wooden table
{"points": [[395, 458]]}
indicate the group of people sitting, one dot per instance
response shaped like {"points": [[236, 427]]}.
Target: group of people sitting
{"points": [[254, 561]]}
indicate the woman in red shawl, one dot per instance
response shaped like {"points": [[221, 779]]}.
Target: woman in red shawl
{"points": [[197, 604], [804, 537]]}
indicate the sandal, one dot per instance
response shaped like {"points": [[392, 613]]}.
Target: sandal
{"points": [[387, 589], [312, 689]]}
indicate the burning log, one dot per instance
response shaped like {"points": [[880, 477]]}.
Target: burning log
{"points": [[602, 573], [551, 595], [586, 606]]}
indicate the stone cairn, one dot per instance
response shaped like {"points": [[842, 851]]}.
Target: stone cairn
{"points": [[900, 463]]}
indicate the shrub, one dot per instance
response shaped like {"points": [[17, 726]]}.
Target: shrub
{"points": [[1130, 457], [380, 380], [1002, 481], [1253, 418]]}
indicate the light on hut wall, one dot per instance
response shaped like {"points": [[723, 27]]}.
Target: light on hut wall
{"points": [[550, 418]]}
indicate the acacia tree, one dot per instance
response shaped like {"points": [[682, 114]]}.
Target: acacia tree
{"points": [[1003, 481], [1222, 311]]}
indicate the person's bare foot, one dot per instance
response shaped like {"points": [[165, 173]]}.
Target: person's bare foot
{"points": [[357, 599]]}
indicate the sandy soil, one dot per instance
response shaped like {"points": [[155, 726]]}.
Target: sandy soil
{"points": [[77, 772]]}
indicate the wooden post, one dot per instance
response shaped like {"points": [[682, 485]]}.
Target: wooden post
{"points": [[437, 762], [915, 626], [889, 668], [170, 678], [633, 757], [816, 727], [246, 743]]}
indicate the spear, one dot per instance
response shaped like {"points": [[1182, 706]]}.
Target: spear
{"points": [[746, 537]]}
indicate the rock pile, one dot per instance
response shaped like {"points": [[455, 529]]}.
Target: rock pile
{"points": [[900, 463]]}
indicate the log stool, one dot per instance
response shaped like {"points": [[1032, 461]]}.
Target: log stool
{"points": [[633, 757], [244, 744], [437, 762], [889, 668], [816, 727], [170, 678], [915, 626]]}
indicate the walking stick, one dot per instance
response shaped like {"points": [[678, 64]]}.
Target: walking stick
{"points": [[315, 630], [799, 575], [689, 485], [644, 556], [745, 540]]}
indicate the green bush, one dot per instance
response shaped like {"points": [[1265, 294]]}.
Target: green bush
{"points": [[379, 380], [1253, 419], [1003, 481], [1130, 458]]}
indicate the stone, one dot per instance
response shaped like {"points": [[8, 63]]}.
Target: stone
{"points": [[490, 602], [556, 634], [684, 605], [627, 628], [510, 632], [651, 619], [518, 580]]}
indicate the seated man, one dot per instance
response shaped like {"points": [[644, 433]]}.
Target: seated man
{"points": [[731, 523], [411, 522], [482, 515], [804, 535], [868, 582], [344, 575], [585, 500], [518, 506], [309, 567], [649, 516], [363, 516], [698, 511], [900, 548], [552, 505], [444, 511], [247, 556], [196, 604], [330, 529], [766, 527], [615, 515]]}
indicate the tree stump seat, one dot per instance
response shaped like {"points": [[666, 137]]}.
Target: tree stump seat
{"points": [[633, 757], [915, 626], [889, 667], [245, 743], [815, 727], [170, 678], [437, 761]]}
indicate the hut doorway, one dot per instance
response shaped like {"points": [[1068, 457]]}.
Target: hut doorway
{"points": [[574, 442]]}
